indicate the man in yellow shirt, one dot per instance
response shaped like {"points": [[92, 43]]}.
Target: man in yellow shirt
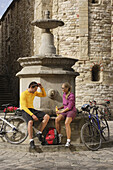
{"points": [[29, 113]]}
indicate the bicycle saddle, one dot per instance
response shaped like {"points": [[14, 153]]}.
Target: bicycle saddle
{"points": [[86, 107]]}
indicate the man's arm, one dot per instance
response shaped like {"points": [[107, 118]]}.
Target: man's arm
{"points": [[23, 104], [41, 94]]}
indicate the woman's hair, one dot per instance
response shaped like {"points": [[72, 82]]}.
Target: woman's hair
{"points": [[67, 85]]}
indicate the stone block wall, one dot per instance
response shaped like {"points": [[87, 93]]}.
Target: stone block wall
{"points": [[99, 53], [39, 13], [17, 39], [86, 35], [0, 52], [67, 37]]}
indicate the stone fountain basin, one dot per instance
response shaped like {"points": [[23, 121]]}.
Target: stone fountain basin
{"points": [[52, 61], [47, 65], [47, 23]]}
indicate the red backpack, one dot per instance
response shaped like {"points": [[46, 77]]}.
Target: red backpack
{"points": [[51, 138]]}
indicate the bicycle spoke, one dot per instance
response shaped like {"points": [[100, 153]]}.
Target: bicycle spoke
{"points": [[90, 136], [104, 128], [19, 134]]}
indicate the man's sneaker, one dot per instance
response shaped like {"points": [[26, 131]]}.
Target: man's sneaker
{"points": [[67, 144], [32, 145], [39, 135], [60, 138]]}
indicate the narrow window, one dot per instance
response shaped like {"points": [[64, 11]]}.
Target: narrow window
{"points": [[8, 49], [94, 1], [96, 73]]}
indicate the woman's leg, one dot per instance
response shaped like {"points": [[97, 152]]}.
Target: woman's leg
{"points": [[57, 123], [68, 128]]}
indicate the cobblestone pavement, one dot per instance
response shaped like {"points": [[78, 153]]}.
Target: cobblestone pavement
{"points": [[77, 160], [14, 157]]}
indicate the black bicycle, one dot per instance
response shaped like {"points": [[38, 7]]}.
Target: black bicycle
{"points": [[95, 129], [13, 129], [105, 110]]}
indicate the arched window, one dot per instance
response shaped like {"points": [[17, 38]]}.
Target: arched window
{"points": [[94, 1], [96, 73]]}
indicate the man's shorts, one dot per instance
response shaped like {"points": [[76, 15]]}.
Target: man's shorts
{"points": [[39, 114]]}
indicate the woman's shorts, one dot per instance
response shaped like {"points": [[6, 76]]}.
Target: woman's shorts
{"points": [[39, 114], [69, 114]]}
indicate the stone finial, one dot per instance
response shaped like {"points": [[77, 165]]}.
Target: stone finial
{"points": [[47, 14]]}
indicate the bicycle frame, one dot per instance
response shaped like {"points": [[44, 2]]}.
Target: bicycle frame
{"points": [[4, 120], [96, 117]]}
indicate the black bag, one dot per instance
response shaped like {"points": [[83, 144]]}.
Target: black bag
{"points": [[18, 112]]}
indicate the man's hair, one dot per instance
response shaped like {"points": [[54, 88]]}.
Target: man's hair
{"points": [[33, 84]]}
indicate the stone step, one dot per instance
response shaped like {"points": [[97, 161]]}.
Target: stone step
{"points": [[75, 138], [50, 148]]}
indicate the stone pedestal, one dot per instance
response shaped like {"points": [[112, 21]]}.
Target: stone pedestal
{"points": [[47, 44], [51, 71]]}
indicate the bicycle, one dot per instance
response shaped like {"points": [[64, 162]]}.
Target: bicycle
{"points": [[95, 129], [13, 129], [102, 119], [106, 111]]}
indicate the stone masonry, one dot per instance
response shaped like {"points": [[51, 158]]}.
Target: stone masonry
{"points": [[86, 35], [17, 39], [0, 51]]}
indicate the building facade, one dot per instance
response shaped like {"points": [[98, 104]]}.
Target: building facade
{"points": [[16, 40], [86, 35]]}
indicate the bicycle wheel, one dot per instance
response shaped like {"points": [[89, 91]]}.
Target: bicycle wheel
{"points": [[1, 131], [104, 128], [109, 114], [90, 136], [18, 135]]}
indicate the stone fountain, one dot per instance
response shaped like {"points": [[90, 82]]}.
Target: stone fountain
{"points": [[47, 68]]}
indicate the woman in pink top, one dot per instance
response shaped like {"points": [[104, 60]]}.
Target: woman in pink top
{"points": [[67, 111]]}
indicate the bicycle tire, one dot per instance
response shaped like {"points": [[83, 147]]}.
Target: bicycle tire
{"points": [[109, 114], [1, 129], [90, 136], [104, 128], [16, 136]]}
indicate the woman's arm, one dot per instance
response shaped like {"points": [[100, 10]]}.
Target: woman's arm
{"points": [[62, 111], [61, 107]]}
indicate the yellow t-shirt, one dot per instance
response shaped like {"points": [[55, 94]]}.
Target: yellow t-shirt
{"points": [[26, 100]]}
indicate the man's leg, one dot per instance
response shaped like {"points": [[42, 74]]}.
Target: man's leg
{"points": [[30, 129], [30, 133], [42, 126], [29, 120], [44, 122]]}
